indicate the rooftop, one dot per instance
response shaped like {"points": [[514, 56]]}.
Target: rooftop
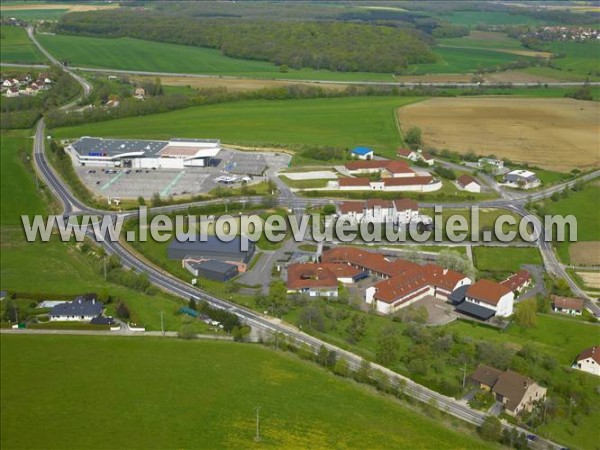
{"points": [[487, 291], [362, 150]]}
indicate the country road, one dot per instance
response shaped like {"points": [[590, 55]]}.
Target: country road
{"points": [[269, 327]]}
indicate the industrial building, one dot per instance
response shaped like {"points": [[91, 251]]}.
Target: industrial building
{"points": [[173, 154], [198, 251], [212, 269]]}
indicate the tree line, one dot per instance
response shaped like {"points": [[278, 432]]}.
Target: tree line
{"points": [[338, 46]]}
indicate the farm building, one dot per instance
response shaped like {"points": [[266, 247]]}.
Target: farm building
{"points": [[518, 281], [173, 154], [523, 179], [589, 361], [486, 298], [468, 183], [212, 269], [425, 183], [212, 248], [79, 310], [364, 153]]}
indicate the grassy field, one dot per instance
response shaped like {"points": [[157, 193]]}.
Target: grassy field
{"points": [[339, 122], [535, 131], [186, 394], [16, 47], [136, 54], [33, 14], [580, 58], [585, 206], [474, 18], [503, 260], [461, 60], [17, 181]]}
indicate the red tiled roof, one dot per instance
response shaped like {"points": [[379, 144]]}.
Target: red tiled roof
{"points": [[310, 276], [408, 181], [400, 286], [592, 352], [353, 182], [487, 291], [371, 164], [375, 262], [348, 207], [404, 152], [406, 203], [465, 179], [376, 202], [517, 280], [426, 156], [398, 167], [567, 302]]}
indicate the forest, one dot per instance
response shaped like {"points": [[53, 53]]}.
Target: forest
{"points": [[337, 46]]}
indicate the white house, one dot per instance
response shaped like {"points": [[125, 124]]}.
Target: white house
{"points": [[468, 183], [364, 153], [399, 211], [567, 305], [492, 165], [320, 279], [589, 361], [7, 83], [79, 310], [415, 156], [12, 92], [523, 179], [492, 296]]}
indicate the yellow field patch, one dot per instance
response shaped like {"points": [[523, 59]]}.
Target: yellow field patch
{"points": [[590, 279], [585, 253], [557, 134]]}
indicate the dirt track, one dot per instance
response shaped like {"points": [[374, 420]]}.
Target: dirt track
{"points": [[558, 134]]}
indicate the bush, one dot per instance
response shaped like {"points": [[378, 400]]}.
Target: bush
{"points": [[186, 332]]}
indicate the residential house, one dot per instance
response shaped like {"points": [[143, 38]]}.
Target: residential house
{"points": [[567, 305], [320, 279], [399, 212], [364, 153], [82, 309], [491, 165], [139, 93], [415, 156], [486, 298], [7, 83], [514, 391], [523, 179], [517, 282], [468, 183], [589, 361], [12, 92]]}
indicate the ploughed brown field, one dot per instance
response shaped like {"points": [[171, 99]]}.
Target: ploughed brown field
{"points": [[557, 134], [585, 253]]}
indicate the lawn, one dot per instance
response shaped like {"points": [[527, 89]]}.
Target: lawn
{"points": [[338, 122], [137, 54], [461, 60], [504, 259], [17, 181], [16, 47], [166, 393]]}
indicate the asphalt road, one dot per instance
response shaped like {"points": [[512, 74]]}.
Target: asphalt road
{"points": [[269, 326]]}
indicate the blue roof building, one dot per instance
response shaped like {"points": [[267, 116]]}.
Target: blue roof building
{"points": [[362, 153]]}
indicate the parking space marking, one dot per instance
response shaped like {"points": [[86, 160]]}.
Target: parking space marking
{"points": [[110, 182], [172, 184]]}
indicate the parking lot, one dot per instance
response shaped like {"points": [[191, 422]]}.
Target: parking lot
{"points": [[133, 183]]}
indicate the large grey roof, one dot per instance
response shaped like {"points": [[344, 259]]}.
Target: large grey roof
{"points": [[473, 309], [111, 147], [215, 266], [77, 307], [212, 244]]}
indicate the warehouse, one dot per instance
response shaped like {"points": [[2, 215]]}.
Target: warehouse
{"points": [[212, 269], [212, 248], [173, 154]]}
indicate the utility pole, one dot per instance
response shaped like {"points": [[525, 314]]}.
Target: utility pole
{"points": [[104, 263], [464, 375], [162, 325], [257, 437]]}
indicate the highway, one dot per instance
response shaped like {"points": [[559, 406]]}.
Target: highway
{"points": [[268, 326]]}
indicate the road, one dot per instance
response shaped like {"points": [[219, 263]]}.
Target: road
{"points": [[266, 325]]}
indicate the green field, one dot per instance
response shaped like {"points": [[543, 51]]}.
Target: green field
{"points": [[15, 46], [165, 393], [136, 54], [483, 39], [473, 18], [504, 259], [580, 58], [339, 122], [462, 60], [17, 181], [34, 14]]}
